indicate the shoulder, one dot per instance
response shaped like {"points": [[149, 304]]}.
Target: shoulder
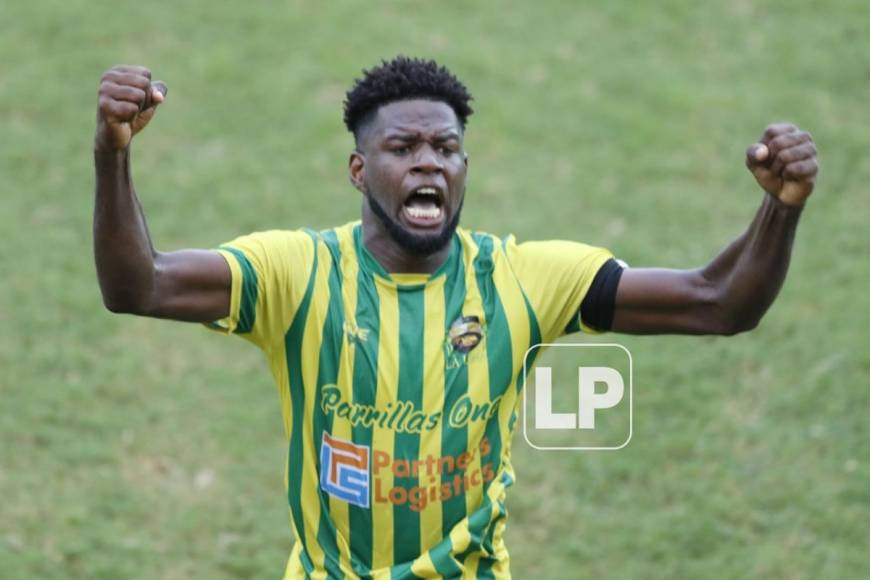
{"points": [[282, 240], [266, 240], [509, 243], [339, 242], [482, 244]]}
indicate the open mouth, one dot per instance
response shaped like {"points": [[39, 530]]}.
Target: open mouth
{"points": [[424, 207]]}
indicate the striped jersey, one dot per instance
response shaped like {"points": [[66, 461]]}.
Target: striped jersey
{"points": [[399, 392]]}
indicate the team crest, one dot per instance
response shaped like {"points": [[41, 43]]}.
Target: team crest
{"points": [[344, 470], [464, 335]]}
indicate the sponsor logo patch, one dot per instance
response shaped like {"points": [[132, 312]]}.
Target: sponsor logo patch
{"points": [[344, 470]]}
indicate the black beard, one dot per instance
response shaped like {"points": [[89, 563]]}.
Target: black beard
{"points": [[420, 245]]}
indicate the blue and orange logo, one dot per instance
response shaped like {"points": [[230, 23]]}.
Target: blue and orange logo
{"points": [[344, 470]]}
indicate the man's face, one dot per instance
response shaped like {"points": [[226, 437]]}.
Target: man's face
{"points": [[411, 165]]}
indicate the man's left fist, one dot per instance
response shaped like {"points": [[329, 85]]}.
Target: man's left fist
{"points": [[784, 163]]}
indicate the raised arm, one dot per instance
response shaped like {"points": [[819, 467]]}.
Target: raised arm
{"points": [[732, 292], [191, 285]]}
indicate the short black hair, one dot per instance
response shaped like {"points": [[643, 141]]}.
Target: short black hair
{"points": [[400, 79]]}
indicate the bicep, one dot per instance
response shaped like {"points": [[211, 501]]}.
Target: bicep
{"points": [[191, 285], [662, 301]]}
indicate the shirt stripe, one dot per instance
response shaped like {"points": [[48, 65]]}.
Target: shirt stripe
{"points": [[383, 438], [297, 455], [433, 402], [365, 366], [345, 257], [247, 306], [321, 547], [480, 300], [455, 440], [330, 342], [406, 445]]}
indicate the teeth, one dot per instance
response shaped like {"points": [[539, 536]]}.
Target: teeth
{"points": [[419, 212], [427, 191]]}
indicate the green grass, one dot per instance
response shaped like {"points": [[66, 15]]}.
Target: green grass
{"points": [[142, 449]]}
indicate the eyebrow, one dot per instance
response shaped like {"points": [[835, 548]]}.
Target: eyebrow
{"points": [[398, 135]]}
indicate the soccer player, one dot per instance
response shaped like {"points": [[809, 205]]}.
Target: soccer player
{"points": [[397, 342]]}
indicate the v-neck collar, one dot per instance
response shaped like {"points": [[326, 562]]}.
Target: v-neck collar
{"points": [[370, 264]]}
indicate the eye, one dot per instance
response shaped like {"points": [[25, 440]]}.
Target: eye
{"points": [[403, 150]]}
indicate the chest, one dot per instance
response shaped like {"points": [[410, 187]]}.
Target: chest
{"points": [[409, 340]]}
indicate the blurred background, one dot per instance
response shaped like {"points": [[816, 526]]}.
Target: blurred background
{"points": [[133, 448]]}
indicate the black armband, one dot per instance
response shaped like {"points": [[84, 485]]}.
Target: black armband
{"points": [[596, 310]]}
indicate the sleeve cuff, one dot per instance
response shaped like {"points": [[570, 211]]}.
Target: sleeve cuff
{"points": [[228, 324]]}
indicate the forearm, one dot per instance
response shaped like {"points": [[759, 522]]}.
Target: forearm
{"points": [[122, 247], [749, 273], [733, 291]]}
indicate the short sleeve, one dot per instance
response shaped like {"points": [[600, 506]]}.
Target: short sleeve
{"points": [[555, 276], [270, 272]]}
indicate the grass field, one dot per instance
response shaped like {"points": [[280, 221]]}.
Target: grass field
{"points": [[131, 448]]}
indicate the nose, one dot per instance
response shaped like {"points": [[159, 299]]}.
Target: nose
{"points": [[427, 160]]}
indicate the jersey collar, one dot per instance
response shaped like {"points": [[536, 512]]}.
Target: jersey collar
{"points": [[370, 264]]}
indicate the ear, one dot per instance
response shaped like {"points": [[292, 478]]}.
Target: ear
{"points": [[357, 170], [465, 160]]}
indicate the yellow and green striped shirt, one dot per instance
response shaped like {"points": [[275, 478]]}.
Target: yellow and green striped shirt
{"points": [[399, 392]]}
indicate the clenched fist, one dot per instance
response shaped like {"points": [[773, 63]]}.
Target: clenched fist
{"points": [[127, 102], [784, 163]]}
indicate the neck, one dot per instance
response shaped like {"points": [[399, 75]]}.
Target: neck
{"points": [[390, 255]]}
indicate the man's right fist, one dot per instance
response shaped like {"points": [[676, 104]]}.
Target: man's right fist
{"points": [[127, 102]]}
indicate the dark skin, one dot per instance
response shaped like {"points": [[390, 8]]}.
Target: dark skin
{"points": [[417, 143], [736, 288], [409, 144]]}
